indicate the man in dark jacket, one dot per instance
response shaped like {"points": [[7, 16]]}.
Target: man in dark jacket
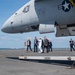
{"points": [[29, 44], [71, 45], [50, 45], [35, 45], [45, 42]]}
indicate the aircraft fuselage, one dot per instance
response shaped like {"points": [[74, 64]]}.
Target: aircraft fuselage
{"points": [[36, 12]]}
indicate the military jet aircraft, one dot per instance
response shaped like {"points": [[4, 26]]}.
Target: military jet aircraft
{"points": [[43, 16]]}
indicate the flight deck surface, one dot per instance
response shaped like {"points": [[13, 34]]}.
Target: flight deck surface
{"points": [[9, 66]]}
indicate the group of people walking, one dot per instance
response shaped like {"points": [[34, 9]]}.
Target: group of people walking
{"points": [[40, 45]]}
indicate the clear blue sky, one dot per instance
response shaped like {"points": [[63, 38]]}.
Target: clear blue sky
{"points": [[7, 8]]}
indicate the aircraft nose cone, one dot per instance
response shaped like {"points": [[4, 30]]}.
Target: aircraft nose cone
{"points": [[3, 29], [7, 28]]}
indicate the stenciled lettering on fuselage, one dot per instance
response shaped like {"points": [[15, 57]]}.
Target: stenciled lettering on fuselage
{"points": [[66, 5]]}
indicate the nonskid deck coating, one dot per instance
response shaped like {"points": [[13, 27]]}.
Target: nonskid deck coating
{"points": [[18, 67]]}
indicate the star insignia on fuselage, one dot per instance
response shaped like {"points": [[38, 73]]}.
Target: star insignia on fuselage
{"points": [[65, 6]]}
